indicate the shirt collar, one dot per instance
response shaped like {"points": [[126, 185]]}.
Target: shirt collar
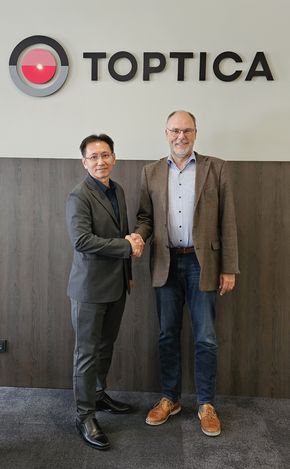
{"points": [[170, 160], [102, 186]]}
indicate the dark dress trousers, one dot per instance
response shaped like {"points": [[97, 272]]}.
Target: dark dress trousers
{"points": [[98, 281]]}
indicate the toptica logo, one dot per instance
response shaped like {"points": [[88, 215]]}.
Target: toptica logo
{"points": [[38, 66]]}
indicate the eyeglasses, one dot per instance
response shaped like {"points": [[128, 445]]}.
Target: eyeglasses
{"points": [[177, 132], [98, 156]]}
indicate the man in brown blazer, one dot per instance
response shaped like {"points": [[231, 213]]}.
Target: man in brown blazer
{"points": [[186, 205]]}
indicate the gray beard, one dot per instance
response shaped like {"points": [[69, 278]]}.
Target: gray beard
{"points": [[182, 153]]}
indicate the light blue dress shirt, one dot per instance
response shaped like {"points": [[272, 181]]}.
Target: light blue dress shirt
{"points": [[181, 198]]}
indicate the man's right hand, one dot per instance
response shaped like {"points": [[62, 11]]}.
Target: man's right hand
{"points": [[137, 244]]}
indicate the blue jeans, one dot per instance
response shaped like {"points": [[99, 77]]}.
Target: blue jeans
{"points": [[183, 286]]}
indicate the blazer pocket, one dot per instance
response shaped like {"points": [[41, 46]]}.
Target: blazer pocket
{"points": [[215, 245], [93, 257]]}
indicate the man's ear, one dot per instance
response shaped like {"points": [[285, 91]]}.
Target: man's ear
{"points": [[84, 161]]}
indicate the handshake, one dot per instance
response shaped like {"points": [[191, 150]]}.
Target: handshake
{"points": [[137, 244]]}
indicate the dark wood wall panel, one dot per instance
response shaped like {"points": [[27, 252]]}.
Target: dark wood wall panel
{"points": [[253, 322]]}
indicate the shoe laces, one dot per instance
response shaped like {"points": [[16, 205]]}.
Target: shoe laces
{"points": [[208, 411], [164, 403]]}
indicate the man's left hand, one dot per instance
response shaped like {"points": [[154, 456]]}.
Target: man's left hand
{"points": [[227, 283]]}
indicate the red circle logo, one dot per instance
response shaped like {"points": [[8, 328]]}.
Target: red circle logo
{"points": [[38, 66]]}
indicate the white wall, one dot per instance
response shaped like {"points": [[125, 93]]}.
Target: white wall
{"points": [[237, 120]]}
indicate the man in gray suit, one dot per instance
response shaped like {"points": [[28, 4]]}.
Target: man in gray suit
{"points": [[187, 206], [99, 278]]}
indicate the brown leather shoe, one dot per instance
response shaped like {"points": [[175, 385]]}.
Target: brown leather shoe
{"points": [[162, 411], [209, 420]]}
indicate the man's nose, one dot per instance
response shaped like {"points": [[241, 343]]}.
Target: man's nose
{"points": [[181, 135]]}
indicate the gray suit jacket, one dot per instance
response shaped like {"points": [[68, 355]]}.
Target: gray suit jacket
{"points": [[101, 266], [214, 226]]}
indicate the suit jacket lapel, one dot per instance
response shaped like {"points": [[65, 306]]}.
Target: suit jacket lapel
{"points": [[162, 181], [202, 167], [102, 199], [122, 209]]}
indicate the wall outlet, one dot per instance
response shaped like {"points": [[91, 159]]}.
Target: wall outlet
{"points": [[3, 345]]}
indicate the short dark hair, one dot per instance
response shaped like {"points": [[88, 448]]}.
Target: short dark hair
{"points": [[96, 138], [187, 112]]}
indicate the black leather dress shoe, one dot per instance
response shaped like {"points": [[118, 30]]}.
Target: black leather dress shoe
{"points": [[92, 433], [107, 404]]}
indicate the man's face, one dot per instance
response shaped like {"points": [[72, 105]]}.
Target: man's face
{"points": [[99, 160], [181, 144]]}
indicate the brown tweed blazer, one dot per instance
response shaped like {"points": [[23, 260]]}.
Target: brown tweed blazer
{"points": [[214, 225]]}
